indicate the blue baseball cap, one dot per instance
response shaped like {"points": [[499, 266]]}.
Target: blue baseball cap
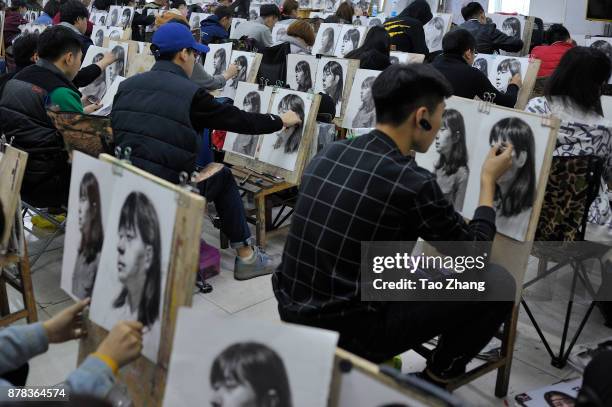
{"points": [[173, 37]]}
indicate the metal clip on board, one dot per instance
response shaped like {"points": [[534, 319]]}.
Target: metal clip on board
{"points": [[123, 155], [263, 82], [187, 183]]}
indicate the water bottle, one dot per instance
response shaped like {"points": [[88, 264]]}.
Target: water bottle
{"points": [[374, 10], [394, 8]]}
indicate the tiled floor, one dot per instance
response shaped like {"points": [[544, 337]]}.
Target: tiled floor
{"points": [[254, 299]]}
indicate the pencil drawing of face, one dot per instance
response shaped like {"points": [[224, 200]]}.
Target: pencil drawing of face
{"points": [[366, 115], [604, 47], [99, 37], [246, 143], [253, 15], [219, 61], [327, 43], [332, 81], [434, 31], [505, 71], [290, 137], [125, 18], [114, 17], [482, 65], [515, 191], [242, 64], [452, 166], [97, 88], [374, 22], [512, 27], [303, 76], [139, 258], [195, 22], [92, 237], [117, 68], [280, 34], [115, 35], [350, 41], [249, 374]]}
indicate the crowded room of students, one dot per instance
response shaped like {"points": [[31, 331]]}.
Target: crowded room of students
{"points": [[306, 203]]}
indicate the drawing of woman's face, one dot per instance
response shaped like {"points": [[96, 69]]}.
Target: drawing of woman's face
{"points": [[218, 61], [329, 80], [347, 45], [299, 76], [517, 163], [560, 401], [114, 17], [502, 79], [83, 213], [328, 40], [133, 256], [366, 93], [231, 393], [432, 33], [444, 140], [249, 107], [99, 38], [280, 33], [115, 35]]}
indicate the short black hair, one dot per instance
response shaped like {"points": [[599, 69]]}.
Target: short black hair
{"points": [[17, 4], [471, 10], [223, 11], [458, 41], [401, 89], [177, 3], [72, 10], [555, 33], [52, 8], [23, 48], [56, 41], [593, 68]]}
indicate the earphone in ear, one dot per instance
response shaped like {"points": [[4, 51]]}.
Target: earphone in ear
{"points": [[425, 125]]}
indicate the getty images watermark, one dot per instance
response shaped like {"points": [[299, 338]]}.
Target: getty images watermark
{"points": [[415, 271]]}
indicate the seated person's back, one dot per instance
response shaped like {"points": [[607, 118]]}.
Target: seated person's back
{"points": [[560, 42], [455, 63], [488, 38], [261, 29]]}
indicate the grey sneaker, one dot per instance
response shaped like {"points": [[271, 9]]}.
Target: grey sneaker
{"points": [[260, 267]]}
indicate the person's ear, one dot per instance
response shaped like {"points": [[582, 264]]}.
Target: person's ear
{"points": [[521, 158], [420, 115], [148, 256]]}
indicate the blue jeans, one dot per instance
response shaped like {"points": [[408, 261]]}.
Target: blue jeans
{"points": [[221, 189]]}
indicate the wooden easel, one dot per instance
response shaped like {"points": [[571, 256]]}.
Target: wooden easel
{"points": [[528, 84], [12, 168], [144, 379]]}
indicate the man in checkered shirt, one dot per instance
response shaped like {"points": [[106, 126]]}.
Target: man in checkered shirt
{"points": [[371, 189]]}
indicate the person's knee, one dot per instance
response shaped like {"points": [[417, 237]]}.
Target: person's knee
{"points": [[501, 285]]}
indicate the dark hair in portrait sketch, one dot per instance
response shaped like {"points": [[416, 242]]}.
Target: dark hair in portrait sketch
{"points": [[219, 61], [303, 76], [139, 258], [366, 115], [326, 135], [255, 373], [114, 17], [246, 143], [452, 167], [92, 237], [374, 21], [603, 46], [505, 71], [117, 68], [434, 31], [125, 17], [102, 19], [554, 397], [242, 64], [482, 65], [99, 37], [512, 27], [195, 22], [333, 84], [97, 88], [350, 41], [290, 137], [327, 41], [515, 190]]}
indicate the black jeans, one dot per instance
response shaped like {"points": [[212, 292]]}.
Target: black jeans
{"points": [[17, 377], [221, 189], [464, 327], [596, 390]]}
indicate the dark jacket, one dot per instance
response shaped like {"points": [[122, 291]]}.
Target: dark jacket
{"points": [[419, 10], [370, 59], [141, 21], [334, 19], [23, 116], [489, 39], [241, 8], [12, 21], [407, 34], [211, 31], [151, 116], [468, 81]]}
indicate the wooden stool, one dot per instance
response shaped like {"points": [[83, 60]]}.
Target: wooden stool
{"points": [[21, 283], [266, 192]]}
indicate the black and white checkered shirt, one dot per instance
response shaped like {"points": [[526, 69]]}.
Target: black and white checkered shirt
{"points": [[357, 190]]}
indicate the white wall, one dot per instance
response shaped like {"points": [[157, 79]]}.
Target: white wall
{"points": [[571, 13]]}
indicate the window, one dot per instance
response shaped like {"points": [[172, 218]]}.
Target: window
{"points": [[509, 6]]}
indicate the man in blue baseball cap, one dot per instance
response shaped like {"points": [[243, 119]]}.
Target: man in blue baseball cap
{"points": [[161, 113]]}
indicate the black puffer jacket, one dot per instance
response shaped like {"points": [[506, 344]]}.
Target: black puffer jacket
{"points": [[489, 39], [23, 116], [406, 30]]}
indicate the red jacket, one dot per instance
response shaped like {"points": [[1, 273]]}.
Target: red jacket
{"points": [[12, 21], [550, 55]]}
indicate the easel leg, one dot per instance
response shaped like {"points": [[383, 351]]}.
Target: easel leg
{"points": [[260, 205], [4, 304], [28, 289], [509, 336]]}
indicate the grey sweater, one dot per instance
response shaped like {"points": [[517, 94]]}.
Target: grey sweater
{"points": [[206, 80], [256, 30]]}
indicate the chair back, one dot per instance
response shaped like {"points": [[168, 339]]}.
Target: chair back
{"points": [[573, 185]]}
